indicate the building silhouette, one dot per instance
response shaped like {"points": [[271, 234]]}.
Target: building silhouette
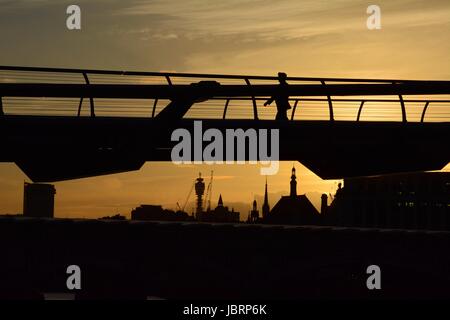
{"points": [[199, 191], [220, 214], [293, 184], [419, 200], [293, 209], [118, 217], [253, 216], [147, 212], [157, 213], [38, 200], [407, 201]]}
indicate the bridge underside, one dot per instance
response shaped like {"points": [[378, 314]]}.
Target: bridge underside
{"points": [[60, 148]]}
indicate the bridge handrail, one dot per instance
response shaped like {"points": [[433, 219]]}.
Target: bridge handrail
{"points": [[168, 75], [254, 92]]}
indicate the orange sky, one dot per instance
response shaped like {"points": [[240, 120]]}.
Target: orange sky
{"points": [[302, 38]]}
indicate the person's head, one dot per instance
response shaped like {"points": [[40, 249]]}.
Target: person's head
{"points": [[282, 77]]}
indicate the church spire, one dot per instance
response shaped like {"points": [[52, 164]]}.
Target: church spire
{"points": [[293, 183], [265, 207], [220, 203], [266, 197]]}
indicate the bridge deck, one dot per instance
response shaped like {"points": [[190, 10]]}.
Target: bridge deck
{"points": [[54, 148], [63, 123]]}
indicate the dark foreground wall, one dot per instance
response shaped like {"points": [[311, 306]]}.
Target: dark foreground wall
{"points": [[172, 260]]}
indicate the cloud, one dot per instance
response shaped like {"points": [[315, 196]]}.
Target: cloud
{"points": [[269, 20], [282, 19], [20, 4]]}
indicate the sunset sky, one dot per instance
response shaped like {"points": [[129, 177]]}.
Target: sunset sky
{"points": [[258, 37]]}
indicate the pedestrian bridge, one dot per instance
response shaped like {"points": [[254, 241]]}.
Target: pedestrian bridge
{"points": [[61, 124]]}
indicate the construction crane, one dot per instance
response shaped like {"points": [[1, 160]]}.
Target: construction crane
{"points": [[209, 193], [187, 198]]}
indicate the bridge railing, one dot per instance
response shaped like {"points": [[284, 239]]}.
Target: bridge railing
{"points": [[320, 98]]}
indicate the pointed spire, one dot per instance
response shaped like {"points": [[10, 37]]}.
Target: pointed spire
{"points": [[293, 183], [220, 203], [266, 196], [266, 207]]}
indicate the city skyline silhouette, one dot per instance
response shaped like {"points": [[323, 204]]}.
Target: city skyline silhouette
{"points": [[100, 100]]}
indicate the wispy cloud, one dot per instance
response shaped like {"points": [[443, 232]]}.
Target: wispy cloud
{"points": [[260, 18], [282, 19]]}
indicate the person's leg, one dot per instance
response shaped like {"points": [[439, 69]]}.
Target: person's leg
{"points": [[281, 115]]}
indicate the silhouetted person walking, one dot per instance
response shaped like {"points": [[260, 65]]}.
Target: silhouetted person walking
{"points": [[281, 98]]}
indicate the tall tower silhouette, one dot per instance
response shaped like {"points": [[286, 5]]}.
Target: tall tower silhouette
{"points": [[293, 183], [254, 214], [199, 191], [265, 206]]}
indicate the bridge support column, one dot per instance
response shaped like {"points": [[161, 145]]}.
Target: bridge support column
{"points": [[422, 118], [255, 108], [330, 104], [402, 105], [91, 100], [293, 110]]}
